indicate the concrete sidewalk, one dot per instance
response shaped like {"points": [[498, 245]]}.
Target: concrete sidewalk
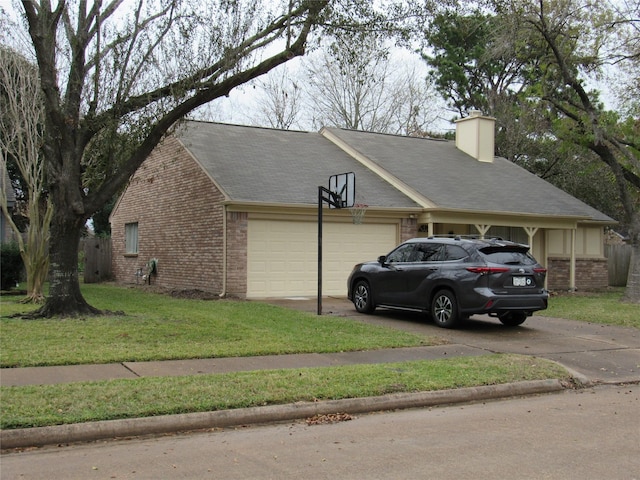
{"points": [[83, 373]]}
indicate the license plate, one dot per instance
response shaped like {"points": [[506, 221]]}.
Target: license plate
{"points": [[521, 281]]}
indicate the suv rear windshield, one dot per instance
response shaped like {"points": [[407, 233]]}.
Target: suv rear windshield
{"points": [[508, 257]]}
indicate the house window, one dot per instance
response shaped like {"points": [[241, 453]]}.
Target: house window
{"points": [[131, 238]]}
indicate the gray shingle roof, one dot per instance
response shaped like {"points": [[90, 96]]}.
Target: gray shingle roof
{"points": [[452, 179], [279, 166], [264, 165]]}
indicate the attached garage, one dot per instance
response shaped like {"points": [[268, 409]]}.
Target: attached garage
{"points": [[282, 255]]}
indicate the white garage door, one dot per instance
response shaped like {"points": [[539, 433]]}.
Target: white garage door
{"points": [[283, 255]]}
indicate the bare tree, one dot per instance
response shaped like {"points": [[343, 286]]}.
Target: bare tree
{"points": [[21, 118], [281, 102], [115, 80], [117, 76], [625, 54], [419, 107], [356, 85]]}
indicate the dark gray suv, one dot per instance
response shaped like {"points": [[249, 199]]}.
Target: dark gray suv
{"points": [[451, 279]]}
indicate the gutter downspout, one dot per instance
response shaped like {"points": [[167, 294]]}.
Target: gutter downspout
{"points": [[223, 293]]}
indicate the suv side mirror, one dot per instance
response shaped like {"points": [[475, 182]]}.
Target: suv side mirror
{"points": [[382, 259]]}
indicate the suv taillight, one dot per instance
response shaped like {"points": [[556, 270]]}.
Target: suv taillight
{"points": [[487, 270], [540, 270]]}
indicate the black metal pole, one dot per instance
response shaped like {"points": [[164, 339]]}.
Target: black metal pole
{"points": [[320, 199]]}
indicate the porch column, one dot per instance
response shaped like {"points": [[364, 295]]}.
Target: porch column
{"points": [[482, 229], [531, 232]]}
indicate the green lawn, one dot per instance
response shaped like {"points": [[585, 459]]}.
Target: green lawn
{"points": [[160, 327], [157, 327], [596, 307]]}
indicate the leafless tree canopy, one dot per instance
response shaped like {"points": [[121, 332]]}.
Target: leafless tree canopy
{"points": [[21, 140], [280, 106], [356, 84]]}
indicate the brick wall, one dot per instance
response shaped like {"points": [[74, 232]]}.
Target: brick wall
{"points": [[408, 229], [179, 217], [237, 228], [591, 274]]}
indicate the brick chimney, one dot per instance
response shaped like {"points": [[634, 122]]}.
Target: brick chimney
{"points": [[475, 136]]}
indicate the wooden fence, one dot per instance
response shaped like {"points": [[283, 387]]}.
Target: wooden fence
{"points": [[618, 259], [97, 259]]}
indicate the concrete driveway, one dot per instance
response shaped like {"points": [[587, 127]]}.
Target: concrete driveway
{"points": [[602, 353]]}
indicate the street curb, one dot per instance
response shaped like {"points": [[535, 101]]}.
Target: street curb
{"points": [[579, 378], [91, 431]]}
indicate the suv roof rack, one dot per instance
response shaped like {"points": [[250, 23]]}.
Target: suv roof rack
{"points": [[466, 237]]}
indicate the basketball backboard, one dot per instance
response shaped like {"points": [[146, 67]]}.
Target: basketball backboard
{"points": [[342, 188]]}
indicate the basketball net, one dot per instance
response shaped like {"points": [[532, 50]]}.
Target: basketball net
{"points": [[357, 212]]}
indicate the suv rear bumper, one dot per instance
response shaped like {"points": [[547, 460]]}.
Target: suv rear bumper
{"points": [[493, 303]]}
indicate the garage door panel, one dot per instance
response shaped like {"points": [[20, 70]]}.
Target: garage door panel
{"points": [[352, 244], [283, 255]]}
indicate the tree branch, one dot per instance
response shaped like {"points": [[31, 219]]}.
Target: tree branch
{"points": [[96, 199], [206, 76]]}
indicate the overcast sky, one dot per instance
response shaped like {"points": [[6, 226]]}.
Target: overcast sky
{"points": [[240, 107]]}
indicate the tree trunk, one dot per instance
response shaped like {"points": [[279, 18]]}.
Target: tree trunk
{"points": [[37, 267], [65, 298], [34, 253]]}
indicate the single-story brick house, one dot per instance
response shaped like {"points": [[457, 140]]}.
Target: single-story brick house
{"points": [[233, 210]]}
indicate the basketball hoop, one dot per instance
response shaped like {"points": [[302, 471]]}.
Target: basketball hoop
{"points": [[357, 212]]}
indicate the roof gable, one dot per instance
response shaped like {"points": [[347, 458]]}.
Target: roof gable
{"points": [[253, 164]]}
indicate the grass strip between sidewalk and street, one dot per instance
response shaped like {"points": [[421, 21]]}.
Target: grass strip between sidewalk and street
{"points": [[44, 405]]}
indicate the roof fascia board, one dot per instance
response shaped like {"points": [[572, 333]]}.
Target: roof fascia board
{"points": [[600, 223], [378, 170], [261, 207], [506, 219], [116, 205], [505, 213]]}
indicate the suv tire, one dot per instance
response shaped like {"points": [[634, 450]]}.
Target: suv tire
{"points": [[362, 299], [444, 309], [512, 319]]}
